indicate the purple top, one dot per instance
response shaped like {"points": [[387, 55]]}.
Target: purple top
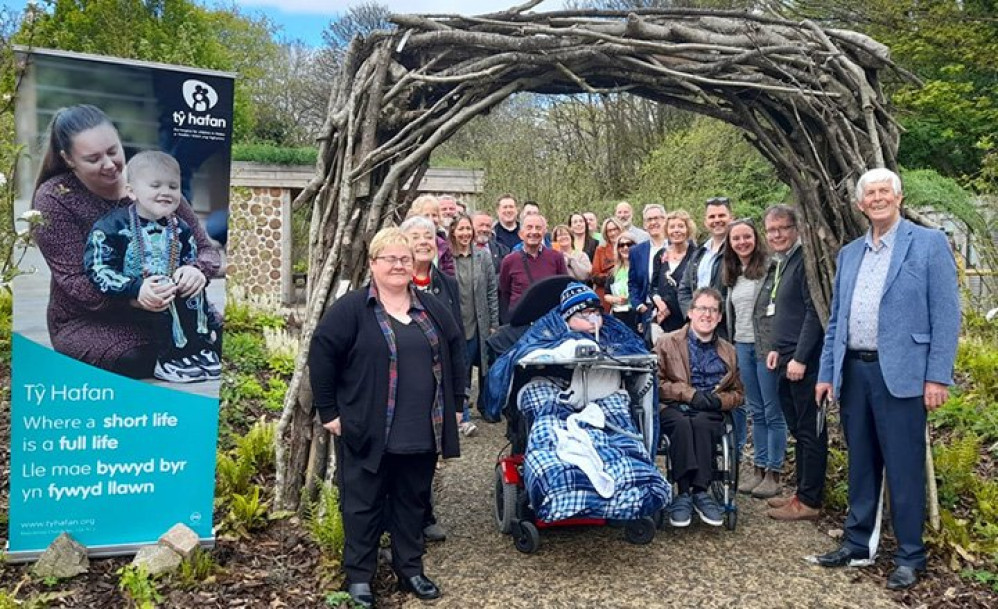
{"points": [[514, 277], [83, 323]]}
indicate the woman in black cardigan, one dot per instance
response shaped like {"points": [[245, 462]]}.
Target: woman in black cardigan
{"points": [[369, 344]]}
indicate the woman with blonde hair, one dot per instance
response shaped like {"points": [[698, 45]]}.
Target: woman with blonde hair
{"points": [[669, 267], [617, 296], [387, 373], [605, 259]]}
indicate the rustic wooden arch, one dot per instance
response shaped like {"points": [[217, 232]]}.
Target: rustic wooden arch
{"points": [[807, 97]]}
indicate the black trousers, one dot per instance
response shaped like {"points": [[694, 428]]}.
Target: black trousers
{"points": [[691, 445], [395, 497], [801, 413]]}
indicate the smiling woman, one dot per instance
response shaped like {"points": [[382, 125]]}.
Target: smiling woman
{"points": [[80, 181]]}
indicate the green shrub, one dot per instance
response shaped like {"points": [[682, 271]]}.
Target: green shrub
{"points": [[257, 446], [978, 359], [234, 475], [240, 389], [6, 319], [281, 363], [244, 351], [197, 568], [837, 487], [243, 317], [273, 398], [277, 155], [247, 512], [325, 522], [139, 586], [955, 467]]}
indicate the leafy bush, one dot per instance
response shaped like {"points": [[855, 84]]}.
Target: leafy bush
{"points": [[243, 317], [837, 489], [197, 568], [244, 351], [273, 399], [246, 512], [277, 155], [955, 467], [281, 363], [139, 586], [240, 388], [6, 318], [234, 475], [257, 446], [325, 522]]}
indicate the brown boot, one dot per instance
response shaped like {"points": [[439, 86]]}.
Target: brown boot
{"points": [[794, 510], [778, 502], [770, 486], [752, 480]]}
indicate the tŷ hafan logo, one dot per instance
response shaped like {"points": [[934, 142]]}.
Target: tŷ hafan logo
{"points": [[200, 97]]}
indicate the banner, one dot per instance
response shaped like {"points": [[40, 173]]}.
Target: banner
{"points": [[114, 394]]}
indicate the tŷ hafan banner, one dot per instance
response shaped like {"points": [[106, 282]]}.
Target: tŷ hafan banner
{"points": [[117, 333]]}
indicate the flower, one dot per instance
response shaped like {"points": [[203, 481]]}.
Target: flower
{"points": [[3, 180], [32, 216]]}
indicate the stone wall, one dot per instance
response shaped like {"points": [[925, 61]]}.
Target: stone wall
{"points": [[258, 240]]}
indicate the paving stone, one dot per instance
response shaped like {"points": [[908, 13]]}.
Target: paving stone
{"points": [[64, 558]]}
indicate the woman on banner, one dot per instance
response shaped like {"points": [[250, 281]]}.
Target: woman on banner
{"points": [[369, 345], [82, 179]]}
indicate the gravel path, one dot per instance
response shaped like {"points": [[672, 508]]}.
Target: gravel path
{"points": [[758, 565]]}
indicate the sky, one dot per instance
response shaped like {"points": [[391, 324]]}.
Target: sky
{"points": [[306, 19]]}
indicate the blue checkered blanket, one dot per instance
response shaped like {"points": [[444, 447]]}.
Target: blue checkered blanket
{"points": [[559, 490]]}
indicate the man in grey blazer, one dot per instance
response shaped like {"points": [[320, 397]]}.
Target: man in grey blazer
{"points": [[888, 358]]}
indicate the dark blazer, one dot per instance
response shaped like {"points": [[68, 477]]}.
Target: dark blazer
{"points": [[666, 285], [497, 251], [796, 330], [638, 286], [349, 369], [445, 288], [919, 316], [689, 283]]}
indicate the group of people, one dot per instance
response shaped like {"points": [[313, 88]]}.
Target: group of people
{"points": [[731, 320]]}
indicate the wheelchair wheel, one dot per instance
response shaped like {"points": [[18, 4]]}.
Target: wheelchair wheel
{"points": [[526, 538], [505, 503], [731, 519], [640, 531]]}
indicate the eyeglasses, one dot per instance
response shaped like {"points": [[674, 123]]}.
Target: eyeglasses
{"points": [[624, 244], [772, 231], [654, 218], [395, 260], [725, 201], [706, 310]]}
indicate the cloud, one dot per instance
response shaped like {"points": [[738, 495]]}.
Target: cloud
{"points": [[329, 7]]}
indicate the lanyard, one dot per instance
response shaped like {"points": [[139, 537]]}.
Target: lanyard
{"points": [[776, 282]]}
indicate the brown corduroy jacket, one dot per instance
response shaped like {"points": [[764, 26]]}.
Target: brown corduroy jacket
{"points": [[674, 374]]}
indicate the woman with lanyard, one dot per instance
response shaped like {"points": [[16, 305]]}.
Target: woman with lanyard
{"points": [[368, 346], [743, 270], [605, 260], [620, 304]]}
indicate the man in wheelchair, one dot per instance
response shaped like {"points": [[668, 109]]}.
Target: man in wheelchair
{"points": [[698, 382]]}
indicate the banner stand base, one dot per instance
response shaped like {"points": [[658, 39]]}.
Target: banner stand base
{"points": [[16, 558]]}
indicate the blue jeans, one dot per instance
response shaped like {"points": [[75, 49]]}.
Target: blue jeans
{"points": [[471, 356], [762, 397]]}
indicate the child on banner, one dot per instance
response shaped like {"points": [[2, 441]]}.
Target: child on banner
{"points": [[133, 248]]}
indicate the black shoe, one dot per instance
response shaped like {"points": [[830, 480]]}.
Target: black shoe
{"points": [[903, 578], [841, 558], [361, 595], [421, 586]]}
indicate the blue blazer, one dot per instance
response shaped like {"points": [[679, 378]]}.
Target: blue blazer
{"points": [[638, 286], [919, 318]]}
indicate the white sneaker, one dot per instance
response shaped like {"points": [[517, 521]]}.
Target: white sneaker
{"points": [[468, 428], [208, 361], [182, 370]]}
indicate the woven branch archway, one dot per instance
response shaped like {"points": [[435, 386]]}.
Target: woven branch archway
{"points": [[808, 98]]}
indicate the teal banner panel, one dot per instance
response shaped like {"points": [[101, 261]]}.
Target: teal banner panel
{"points": [[110, 460]]}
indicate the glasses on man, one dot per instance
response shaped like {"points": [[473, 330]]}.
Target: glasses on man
{"points": [[772, 231], [624, 244], [393, 261], [706, 310]]}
